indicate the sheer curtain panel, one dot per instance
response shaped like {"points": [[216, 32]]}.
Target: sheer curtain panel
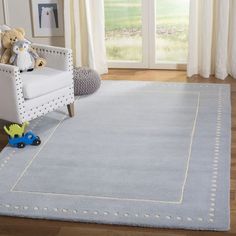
{"points": [[85, 33], [212, 38]]}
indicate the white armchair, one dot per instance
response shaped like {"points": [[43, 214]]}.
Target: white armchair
{"points": [[26, 96]]}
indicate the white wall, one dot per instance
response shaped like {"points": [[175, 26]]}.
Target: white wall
{"points": [[19, 15], [1, 13]]}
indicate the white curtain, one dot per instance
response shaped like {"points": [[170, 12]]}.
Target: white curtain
{"points": [[85, 33], [212, 38]]}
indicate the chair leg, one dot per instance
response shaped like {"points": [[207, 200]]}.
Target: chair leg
{"points": [[71, 109]]}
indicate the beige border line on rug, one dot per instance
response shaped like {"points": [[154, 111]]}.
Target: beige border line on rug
{"points": [[115, 198]]}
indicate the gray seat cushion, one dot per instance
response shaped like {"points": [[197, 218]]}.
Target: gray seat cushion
{"points": [[86, 81]]}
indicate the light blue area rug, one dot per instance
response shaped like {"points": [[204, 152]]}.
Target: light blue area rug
{"points": [[137, 153]]}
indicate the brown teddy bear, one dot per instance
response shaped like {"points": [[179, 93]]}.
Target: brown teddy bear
{"points": [[8, 38]]}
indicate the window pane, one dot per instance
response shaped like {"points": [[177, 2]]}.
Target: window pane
{"points": [[172, 30], [123, 30]]}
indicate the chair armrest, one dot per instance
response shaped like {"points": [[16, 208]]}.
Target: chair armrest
{"points": [[8, 69], [56, 57], [11, 94]]}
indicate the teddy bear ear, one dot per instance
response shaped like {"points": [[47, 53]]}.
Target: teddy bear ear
{"points": [[21, 30]]}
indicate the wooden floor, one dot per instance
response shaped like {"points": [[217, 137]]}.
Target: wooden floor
{"points": [[27, 227]]}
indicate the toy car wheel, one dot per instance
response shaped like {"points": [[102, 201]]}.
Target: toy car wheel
{"points": [[36, 142], [20, 145]]}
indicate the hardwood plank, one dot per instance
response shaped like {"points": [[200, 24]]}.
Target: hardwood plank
{"points": [[17, 226]]}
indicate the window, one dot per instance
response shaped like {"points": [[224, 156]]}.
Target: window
{"points": [[123, 30], [147, 33], [171, 30]]}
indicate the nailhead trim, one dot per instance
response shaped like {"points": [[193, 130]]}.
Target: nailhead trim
{"points": [[66, 53], [19, 92], [50, 106]]}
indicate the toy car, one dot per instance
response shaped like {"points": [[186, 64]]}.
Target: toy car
{"points": [[27, 139]]}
